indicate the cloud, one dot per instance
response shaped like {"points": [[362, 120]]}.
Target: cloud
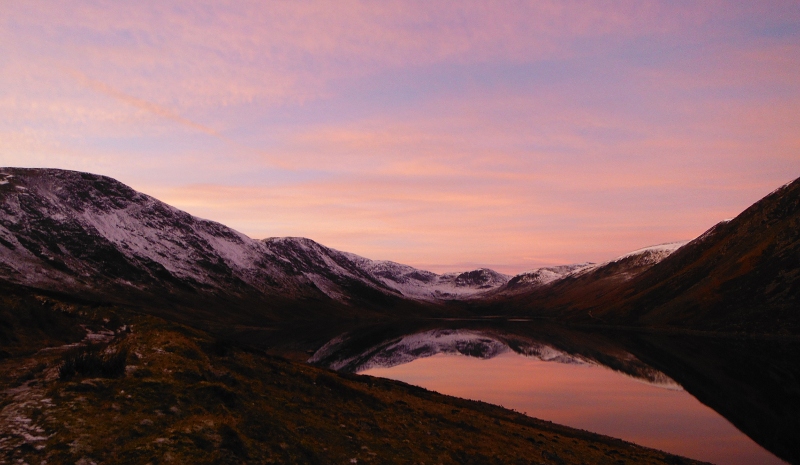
{"points": [[149, 107], [427, 132], [218, 53]]}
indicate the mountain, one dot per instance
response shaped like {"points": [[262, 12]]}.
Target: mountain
{"points": [[165, 320], [92, 236], [741, 275], [557, 292], [89, 235], [404, 280], [552, 280], [542, 276]]}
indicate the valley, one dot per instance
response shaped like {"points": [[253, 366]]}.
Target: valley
{"points": [[237, 350]]}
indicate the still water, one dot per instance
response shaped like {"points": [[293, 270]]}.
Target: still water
{"points": [[590, 397], [637, 387]]}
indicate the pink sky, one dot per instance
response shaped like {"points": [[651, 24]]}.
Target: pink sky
{"points": [[589, 397], [445, 135]]}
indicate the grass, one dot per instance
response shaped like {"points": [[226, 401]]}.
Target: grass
{"points": [[167, 393], [93, 361]]}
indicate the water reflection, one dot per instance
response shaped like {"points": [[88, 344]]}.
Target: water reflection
{"points": [[628, 385]]}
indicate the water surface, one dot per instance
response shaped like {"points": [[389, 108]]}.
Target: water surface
{"points": [[589, 397], [722, 400]]}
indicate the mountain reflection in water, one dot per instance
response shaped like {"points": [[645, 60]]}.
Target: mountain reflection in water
{"points": [[622, 384]]}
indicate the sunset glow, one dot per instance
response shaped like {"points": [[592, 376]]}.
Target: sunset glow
{"points": [[441, 135], [588, 397]]}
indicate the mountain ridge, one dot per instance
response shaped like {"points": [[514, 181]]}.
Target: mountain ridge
{"points": [[94, 237], [741, 275], [61, 229]]}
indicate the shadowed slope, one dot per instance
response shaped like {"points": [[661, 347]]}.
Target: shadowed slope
{"points": [[741, 275], [88, 235]]}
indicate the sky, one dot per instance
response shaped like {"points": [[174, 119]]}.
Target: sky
{"points": [[444, 135]]}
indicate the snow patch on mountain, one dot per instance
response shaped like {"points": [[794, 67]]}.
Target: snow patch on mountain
{"points": [[654, 253], [711, 231], [448, 286], [65, 228], [402, 279], [623, 267], [546, 275]]}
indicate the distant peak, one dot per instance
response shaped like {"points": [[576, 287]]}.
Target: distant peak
{"points": [[661, 249]]}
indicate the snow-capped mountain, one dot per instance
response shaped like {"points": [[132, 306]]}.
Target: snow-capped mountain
{"points": [[70, 229], [618, 270], [742, 275], [310, 257], [546, 275], [90, 235], [428, 286], [95, 238]]}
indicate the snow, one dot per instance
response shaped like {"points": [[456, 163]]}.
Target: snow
{"points": [[641, 257], [142, 229], [710, 232], [327, 287], [425, 285], [783, 186], [659, 252], [203, 252], [241, 254], [547, 275], [387, 275]]}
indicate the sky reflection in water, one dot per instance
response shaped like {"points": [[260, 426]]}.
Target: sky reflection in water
{"points": [[589, 397]]}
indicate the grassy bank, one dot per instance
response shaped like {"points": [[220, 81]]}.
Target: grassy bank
{"points": [[186, 397]]}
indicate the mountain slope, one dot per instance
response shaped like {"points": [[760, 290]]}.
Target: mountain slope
{"points": [[560, 292], [405, 280], [741, 275], [86, 235], [89, 235]]}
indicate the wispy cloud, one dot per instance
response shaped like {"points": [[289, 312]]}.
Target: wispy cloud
{"points": [[427, 132], [141, 104]]}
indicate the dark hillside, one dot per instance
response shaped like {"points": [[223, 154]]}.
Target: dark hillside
{"points": [[742, 275], [185, 396]]}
